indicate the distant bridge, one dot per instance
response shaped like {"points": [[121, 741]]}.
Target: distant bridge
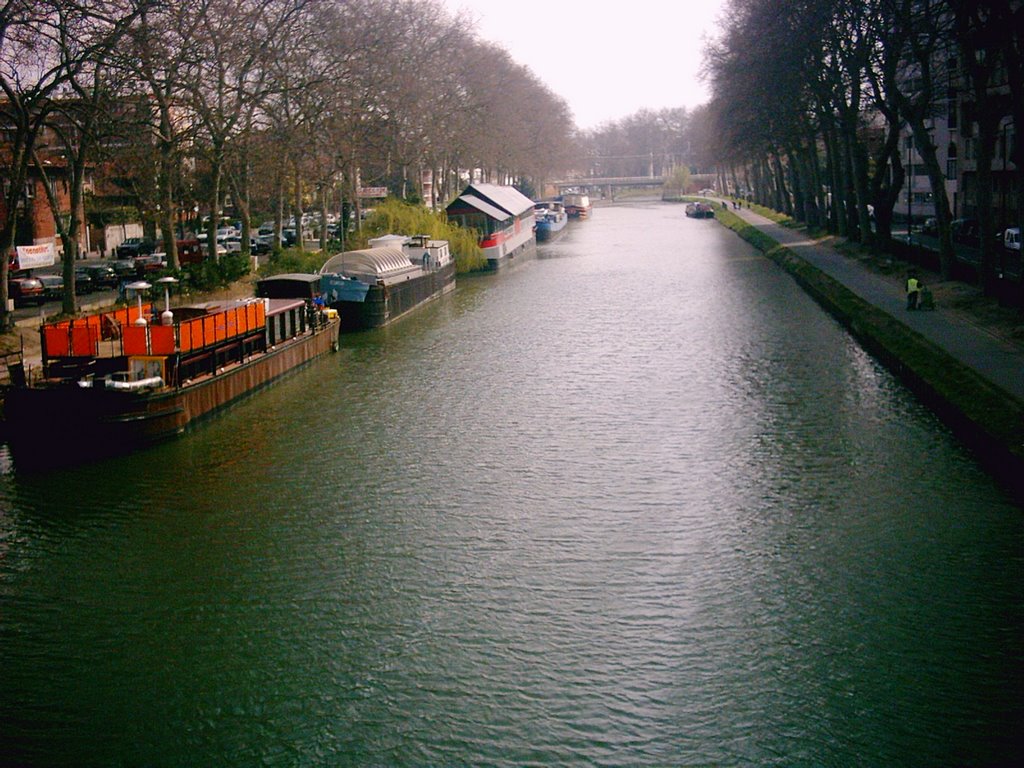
{"points": [[610, 181]]}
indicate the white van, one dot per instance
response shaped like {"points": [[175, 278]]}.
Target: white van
{"points": [[1011, 239]]}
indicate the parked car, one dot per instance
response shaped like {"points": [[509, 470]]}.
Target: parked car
{"points": [[153, 262], [965, 231], [135, 246], [261, 243], [234, 245], [265, 238], [189, 251], [220, 250], [124, 269], [83, 281], [53, 286], [103, 275], [930, 227], [25, 289]]}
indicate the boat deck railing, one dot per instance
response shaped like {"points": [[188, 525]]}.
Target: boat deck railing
{"points": [[124, 336]]}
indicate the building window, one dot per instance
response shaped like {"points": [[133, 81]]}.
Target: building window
{"points": [[951, 110], [30, 189], [951, 162]]}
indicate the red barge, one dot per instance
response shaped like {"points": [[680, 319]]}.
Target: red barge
{"points": [[114, 381]]}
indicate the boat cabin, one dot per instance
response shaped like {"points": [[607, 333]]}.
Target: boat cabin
{"points": [[293, 285], [429, 254], [494, 211]]}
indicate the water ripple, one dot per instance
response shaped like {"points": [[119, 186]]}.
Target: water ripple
{"points": [[635, 505]]}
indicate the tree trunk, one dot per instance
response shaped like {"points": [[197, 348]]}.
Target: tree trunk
{"points": [[324, 191], [278, 207], [796, 183], [937, 180], [240, 188], [356, 202], [815, 199], [297, 204], [988, 133], [837, 184], [886, 183], [859, 158], [168, 167], [216, 174], [21, 150], [782, 201]]}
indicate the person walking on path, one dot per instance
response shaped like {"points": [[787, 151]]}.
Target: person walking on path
{"points": [[913, 291]]}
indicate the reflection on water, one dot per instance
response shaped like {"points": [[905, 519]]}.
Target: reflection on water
{"points": [[637, 501]]}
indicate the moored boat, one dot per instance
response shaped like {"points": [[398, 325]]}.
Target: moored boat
{"points": [[115, 381], [577, 205], [551, 219], [504, 218], [375, 286], [700, 210]]}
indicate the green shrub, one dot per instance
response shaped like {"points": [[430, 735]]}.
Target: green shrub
{"points": [[393, 217], [293, 260], [209, 275]]}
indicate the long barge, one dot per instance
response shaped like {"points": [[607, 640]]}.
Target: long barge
{"points": [[116, 381], [375, 286], [504, 218]]}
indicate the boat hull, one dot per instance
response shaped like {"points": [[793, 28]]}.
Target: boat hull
{"points": [[518, 246], [700, 211], [550, 230], [52, 426], [576, 206], [386, 303]]}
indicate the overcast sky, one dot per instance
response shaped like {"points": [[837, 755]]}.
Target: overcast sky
{"points": [[606, 59]]}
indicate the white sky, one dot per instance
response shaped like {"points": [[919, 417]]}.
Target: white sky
{"points": [[606, 59]]}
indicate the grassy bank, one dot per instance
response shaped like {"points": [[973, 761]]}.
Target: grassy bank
{"points": [[985, 417]]}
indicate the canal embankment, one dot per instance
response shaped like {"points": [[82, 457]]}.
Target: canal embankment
{"points": [[969, 378]]}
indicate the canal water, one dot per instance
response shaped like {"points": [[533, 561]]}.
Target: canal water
{"points": [[636, 502]]}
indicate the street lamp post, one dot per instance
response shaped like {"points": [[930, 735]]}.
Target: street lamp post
{"points": [[167, 317], [139, 286]]}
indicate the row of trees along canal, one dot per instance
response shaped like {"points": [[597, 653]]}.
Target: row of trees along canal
{"points": [[283, 104], [810, 95]]}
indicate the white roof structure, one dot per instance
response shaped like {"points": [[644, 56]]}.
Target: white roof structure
{"points": [[369, 264], [498, 214], [508, 199]]}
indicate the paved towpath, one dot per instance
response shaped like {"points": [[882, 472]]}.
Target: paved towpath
{"points": [[994, 358]]}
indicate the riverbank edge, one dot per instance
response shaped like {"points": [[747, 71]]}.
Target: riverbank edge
{"points": [[986, 418]]}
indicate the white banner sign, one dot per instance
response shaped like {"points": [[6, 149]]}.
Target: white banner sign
{"points": [[373, 191], [32, 256]]}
